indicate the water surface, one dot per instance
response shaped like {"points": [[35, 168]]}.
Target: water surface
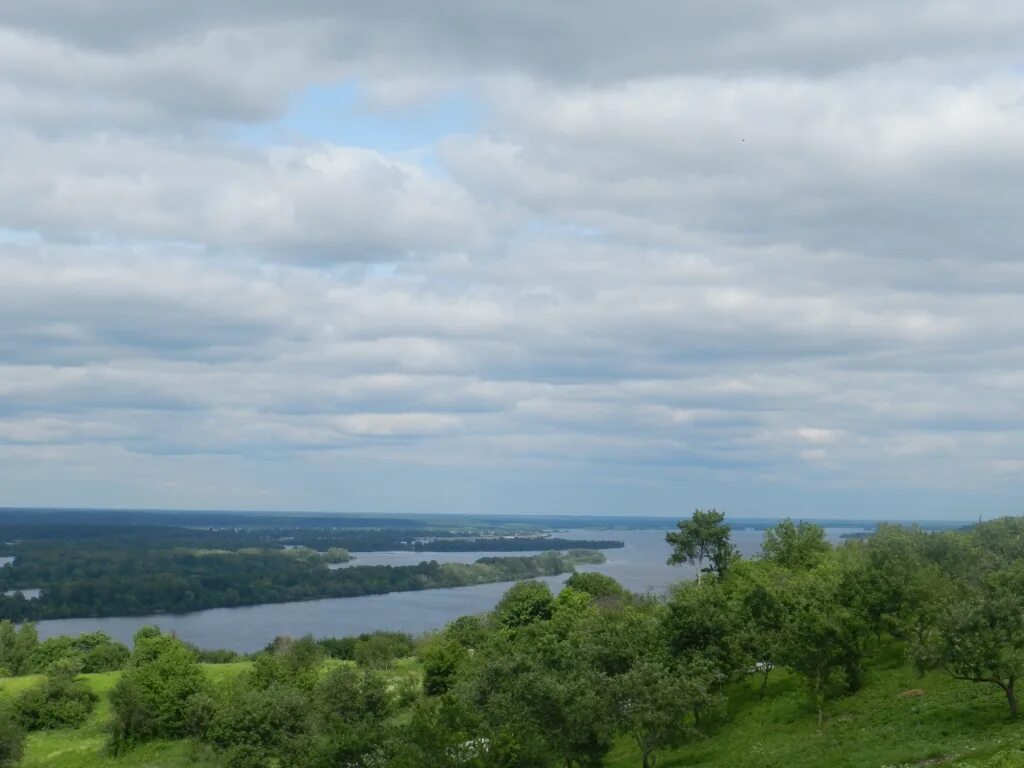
{"points": [[639, 566]]}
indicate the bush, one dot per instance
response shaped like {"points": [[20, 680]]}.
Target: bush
{"points": [[62, 700], [12, 742], [339, 647], [595, 584], [218, 656], [292, 662], [151, 698], [468, 631], [254, 726], [353, 706], [94, 651], [379, 649], [348, 695]]}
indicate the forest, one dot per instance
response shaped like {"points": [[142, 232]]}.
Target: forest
{"points": [[123, 582], [902, 648], [24, 532]]}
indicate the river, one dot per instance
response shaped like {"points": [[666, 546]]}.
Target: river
{"points": [[639, 566]]}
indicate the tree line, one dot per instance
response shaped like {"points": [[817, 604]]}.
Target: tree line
{"points": [[125, 582]]}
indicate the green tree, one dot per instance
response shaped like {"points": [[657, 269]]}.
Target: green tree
{"points": [[821, 639], [441, 733], [702, 622], [704, 538], [756, 590], [352, 707], [655, 701], [525, 603], [980, 637], [441, 659], [16, 647], [540, 699], [468, 631], [798, 547]]}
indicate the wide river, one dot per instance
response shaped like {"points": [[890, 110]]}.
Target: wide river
{"points": [[639, 566]]}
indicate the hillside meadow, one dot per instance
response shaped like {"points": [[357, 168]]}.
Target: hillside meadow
{"points": [[899, 719]]}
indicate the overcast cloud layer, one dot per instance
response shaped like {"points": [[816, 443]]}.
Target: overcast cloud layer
{"points": [[500, 257]]}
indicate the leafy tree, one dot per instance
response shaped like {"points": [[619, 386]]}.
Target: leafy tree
{"points": [[16, 647], [540, 699], [798, 547], [441, 734], [524, 603], [352, 707], [702, 538], [980, 637], [614, 642], [655, 701], [441, 658], [595, 584], [702, 622], [468, 631], [756, 592], [821, 639], [61, 700]]}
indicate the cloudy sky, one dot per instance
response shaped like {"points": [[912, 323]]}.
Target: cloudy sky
{"points": [[599, 257]]}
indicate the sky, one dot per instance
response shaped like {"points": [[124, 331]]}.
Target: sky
{"points": [[498, 257]]}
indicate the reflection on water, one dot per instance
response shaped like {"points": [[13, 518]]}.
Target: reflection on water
{"points": [[639, 566]]}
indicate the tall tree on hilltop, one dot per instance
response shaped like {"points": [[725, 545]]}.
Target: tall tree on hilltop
{"points": [[702, 538]]}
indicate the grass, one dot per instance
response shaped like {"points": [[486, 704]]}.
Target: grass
{"points": [[85, 747], [897, 719]]}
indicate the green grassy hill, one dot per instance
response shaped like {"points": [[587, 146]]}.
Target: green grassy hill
{"points": [[84, 747], [898, 719]]}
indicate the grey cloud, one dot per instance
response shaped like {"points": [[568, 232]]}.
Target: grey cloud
{"points": [[316, 204], [603, 40], [773, 246]]}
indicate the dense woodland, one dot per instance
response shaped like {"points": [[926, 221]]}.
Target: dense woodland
{"points": [[122, 563], [123, 582], [591, 674]]}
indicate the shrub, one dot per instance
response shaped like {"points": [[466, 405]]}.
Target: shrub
{"points": [[12, 741], [95, 651], [61, 700], [151, 698], [595, 584], [379, 649], [339, 647], [254, 726]]}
